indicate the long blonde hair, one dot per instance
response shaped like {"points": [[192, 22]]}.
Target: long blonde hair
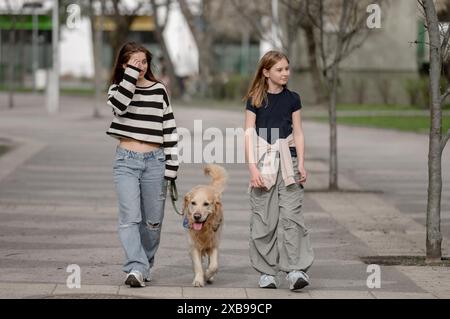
{"points": [[258, 88]]}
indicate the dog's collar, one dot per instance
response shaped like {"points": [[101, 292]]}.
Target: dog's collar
{"points": [[186, 222]]}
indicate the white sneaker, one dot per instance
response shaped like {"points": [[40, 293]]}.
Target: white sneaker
{"points": [[135, 279], [267, 281], [297, 279]]}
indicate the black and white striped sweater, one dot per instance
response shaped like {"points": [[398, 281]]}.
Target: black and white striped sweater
{"points": [[144, 114]]}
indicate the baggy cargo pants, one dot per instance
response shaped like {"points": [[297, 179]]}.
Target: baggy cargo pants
{"points": [[279, 239]]}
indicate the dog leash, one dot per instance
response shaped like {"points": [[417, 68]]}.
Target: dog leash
{"points": [[174, 196], [173, 199]]}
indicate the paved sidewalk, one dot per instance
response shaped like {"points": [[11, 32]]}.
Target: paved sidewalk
{"points": [[58, 207]]}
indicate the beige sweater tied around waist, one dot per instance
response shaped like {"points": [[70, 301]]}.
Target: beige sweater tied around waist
{"points": [[271, 163]]}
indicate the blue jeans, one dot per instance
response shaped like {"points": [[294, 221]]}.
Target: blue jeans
{"points": [[141, 190]]}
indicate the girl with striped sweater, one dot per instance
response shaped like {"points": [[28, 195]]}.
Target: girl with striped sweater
{"points": [[146, 157]]}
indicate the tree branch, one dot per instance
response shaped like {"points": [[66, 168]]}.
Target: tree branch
{"points": [[445, 140], [252, 21], [300, 16], [189, 19], [445, 40], [446, 93], [346, 51], [136, 10], [420, 2], [162, 25], [322, 36]]}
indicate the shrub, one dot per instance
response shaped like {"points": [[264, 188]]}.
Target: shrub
{"points": [[231, 87], [415, 91], [236, 87], [360, 86], [384, 88]]}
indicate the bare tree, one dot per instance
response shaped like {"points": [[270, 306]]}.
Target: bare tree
{"points": [[199, 22], [123, 19], [341, 29], [97, 40], [293, 18], [302, 20], [87, 9], [253, 13], [439, 53], [159, 30]]}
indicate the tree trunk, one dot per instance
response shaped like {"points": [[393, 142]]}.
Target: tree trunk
{"points": [[97, 40], [434, 236], [204, 39], [338, 53], [205, 59], [174, 87], [333, 129], [117, 39], [319, 91]]}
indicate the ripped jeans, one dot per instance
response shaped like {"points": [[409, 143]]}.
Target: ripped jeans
{"points": [[141, 190]]}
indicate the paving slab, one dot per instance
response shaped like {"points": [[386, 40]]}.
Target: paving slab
{"points": [[58, 207]]}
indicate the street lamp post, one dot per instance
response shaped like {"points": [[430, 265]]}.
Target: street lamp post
{"points": [[34, 48], [53, 87], [34, 42]]}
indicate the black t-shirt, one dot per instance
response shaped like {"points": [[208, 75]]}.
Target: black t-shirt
{"points": [[276, 114]]}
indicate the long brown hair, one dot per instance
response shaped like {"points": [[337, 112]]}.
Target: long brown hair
{"points": [[124, 56], [258, 88]]}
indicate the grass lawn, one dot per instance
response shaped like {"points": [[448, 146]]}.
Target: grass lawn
{"points": [[408, 123], [383, 107], [419, 124], [63, 91], [375, 107]]}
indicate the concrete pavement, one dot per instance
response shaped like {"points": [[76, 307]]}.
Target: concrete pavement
{"points": [[58, 207]]}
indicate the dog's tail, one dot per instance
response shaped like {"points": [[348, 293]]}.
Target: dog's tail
{"points": [[219, 176]]}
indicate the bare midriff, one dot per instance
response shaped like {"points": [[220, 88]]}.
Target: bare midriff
{"points": [[137, 146]]}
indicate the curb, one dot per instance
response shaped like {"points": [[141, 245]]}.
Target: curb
{"points": [[22, 150]]}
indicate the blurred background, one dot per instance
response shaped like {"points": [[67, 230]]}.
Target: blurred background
{"points": [[366, 61], [207, 50], [213, 47]]}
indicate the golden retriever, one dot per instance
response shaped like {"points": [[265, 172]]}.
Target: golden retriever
{"points": [[203, 212]]}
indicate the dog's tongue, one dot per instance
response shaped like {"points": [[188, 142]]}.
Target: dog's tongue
{"points": [[197, 226]]}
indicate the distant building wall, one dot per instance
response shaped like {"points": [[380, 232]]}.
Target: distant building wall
{"points": [[381, 68], [391, 47]]}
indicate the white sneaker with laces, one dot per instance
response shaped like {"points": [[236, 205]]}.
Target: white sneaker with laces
{"points": [[135, 279], [268, 281], [297, 279]]}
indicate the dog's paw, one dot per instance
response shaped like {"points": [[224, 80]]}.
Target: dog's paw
{"points": [[209, 276], [198, 282]]}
